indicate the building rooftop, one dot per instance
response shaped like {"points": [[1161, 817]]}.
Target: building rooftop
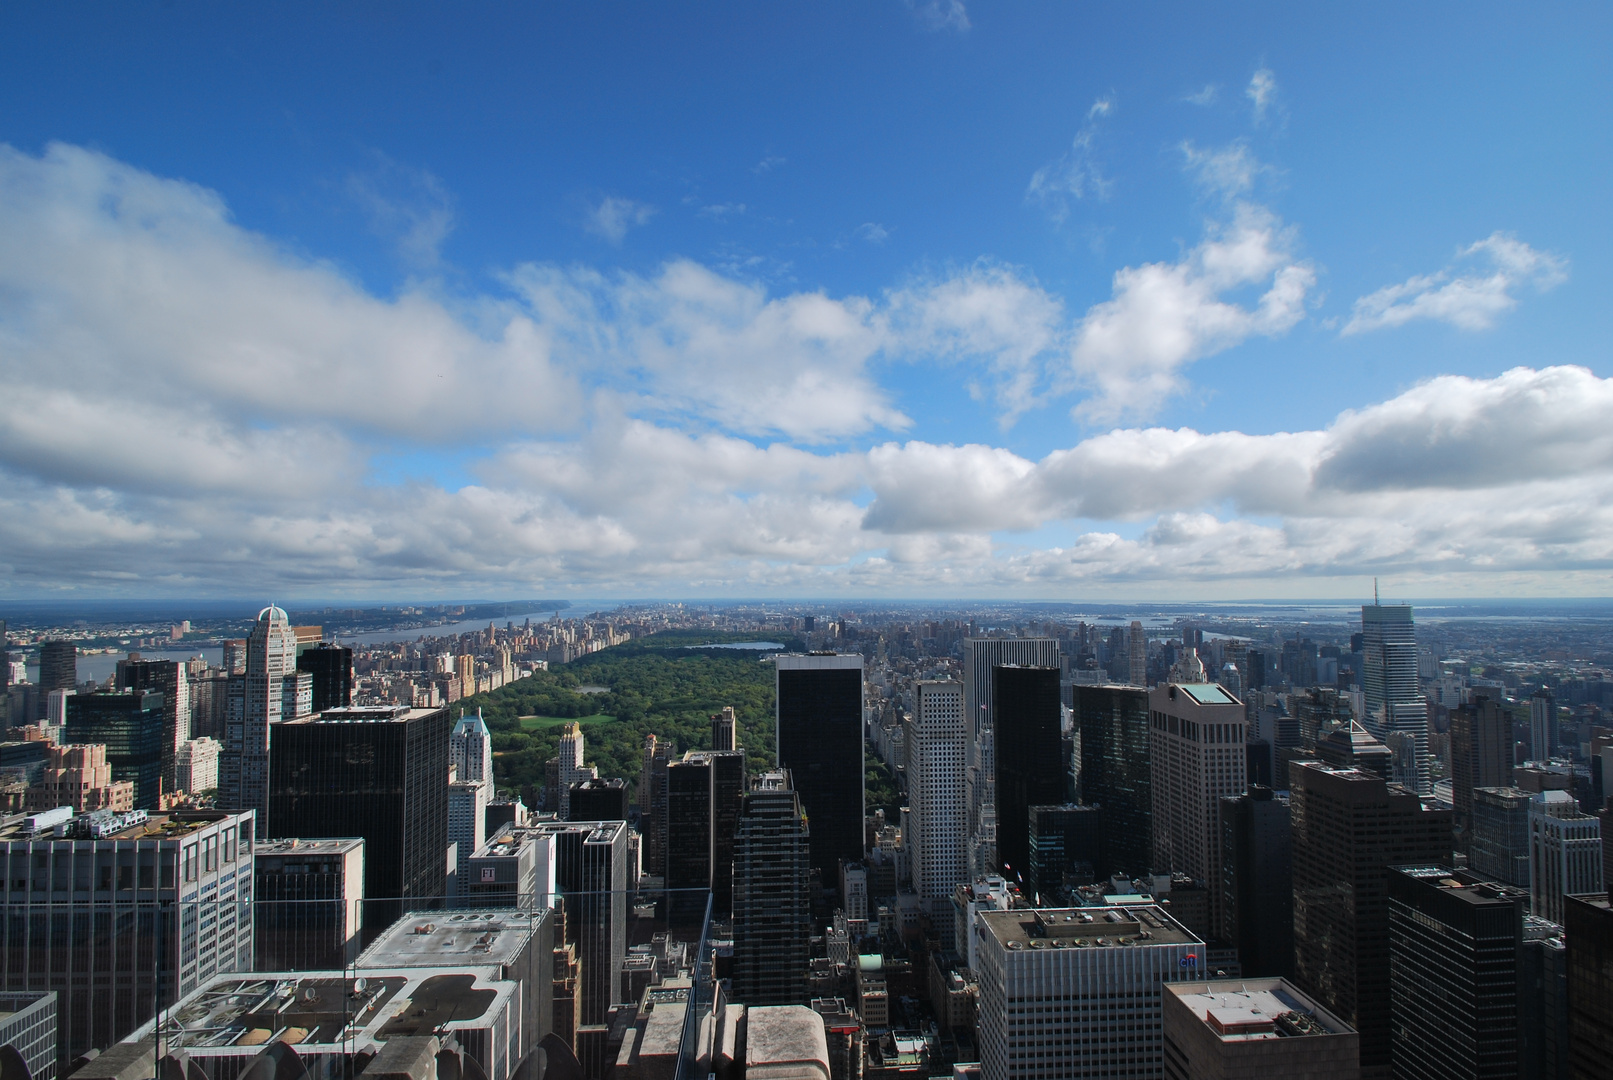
{"points": [[1207, 694], [296, 845], [233, 1012], [1241, 1010], [1086, 927], [363, 714], [453, 939], [107, 825], [1464, 886]]}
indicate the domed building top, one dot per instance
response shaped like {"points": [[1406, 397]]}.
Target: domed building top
{"points": [[273, 614]]}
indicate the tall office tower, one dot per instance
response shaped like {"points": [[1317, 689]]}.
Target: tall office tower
{"points": [[1137, 644], [257, 701], [591, 875], [1353, 747], [159, 902], [308, 910], [1565, 853], [79, 777], [1349, 827], [1252, 1029], [722, 729], [1499, 848], [332, 669], [58, 666], [688, 852], [820, 743], [5, 661], [470, 756], [980, 804], [1076, 992], [1257, 881], [1030, 761], [1588, 931], [936, 748], [572, 769], [652, 808], [1542, 725], [196, 766], [1481, 757], [1197, 735], [130, 725], [772, 911], [1543, 1001], [1065, 847], [169, 678], [599, 800], [378, 772], [1453, 974], [1116, 773], [1389, 682], [981, 656], [1320, 710]]}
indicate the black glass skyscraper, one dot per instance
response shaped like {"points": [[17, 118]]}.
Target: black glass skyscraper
{"points": [[1029, 753], [376, 772], [130, 725], [1115, 773], [332, 669], [58, 666], [820, 741], [1257, 881]]}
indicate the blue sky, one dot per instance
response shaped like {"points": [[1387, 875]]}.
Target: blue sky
{"points": [[878, 297]]}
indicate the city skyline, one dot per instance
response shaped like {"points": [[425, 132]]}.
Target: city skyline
{"points": [[859, 300]]}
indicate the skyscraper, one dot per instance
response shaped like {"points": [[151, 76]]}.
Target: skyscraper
{"points": [[1196, 752], [1542, 725], [332, 669], [981, 656], [1257, 881], [820, 743], [591, 873], [1481, 757], [257, 701], [1029, 753], [1064, 840], [1499, 848], [377, 772], [1389, 682], [58, 666], [169, 678], [1349, 827], [722, 729], [599, 800], [1116, 774], [936, 748], [1076, 992], [130, 725], [1588, 922], [1453, 974], [772, 911], [652, 806], [1137, 645], [1565, 853], [1254, 1029], [572, 769], [470, 755]]}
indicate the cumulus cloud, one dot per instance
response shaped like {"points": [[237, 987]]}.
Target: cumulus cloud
{"points": [[1163, 316], [189, 409], [1076, 174], [614, 216], [1470, 294], [939, 15]]}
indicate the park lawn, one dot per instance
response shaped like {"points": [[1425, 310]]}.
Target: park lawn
{"points": [[541, 723]]}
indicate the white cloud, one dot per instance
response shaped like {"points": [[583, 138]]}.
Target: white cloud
{"points": [[1075, 175], [614, 216], [873, 232], [1262, 91], [1206, 96], [767, 164], [409, 207], [719, 211], [1229, 171], [938, 15], [1468, 301], [1131, 349]]}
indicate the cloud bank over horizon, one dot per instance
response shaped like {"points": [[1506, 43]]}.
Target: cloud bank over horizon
{"points": [[191, 407]]}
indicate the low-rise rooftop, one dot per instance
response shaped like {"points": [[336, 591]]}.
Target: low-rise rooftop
{"points": [[1086, 927], [453, 938], [1251, 1009]]}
